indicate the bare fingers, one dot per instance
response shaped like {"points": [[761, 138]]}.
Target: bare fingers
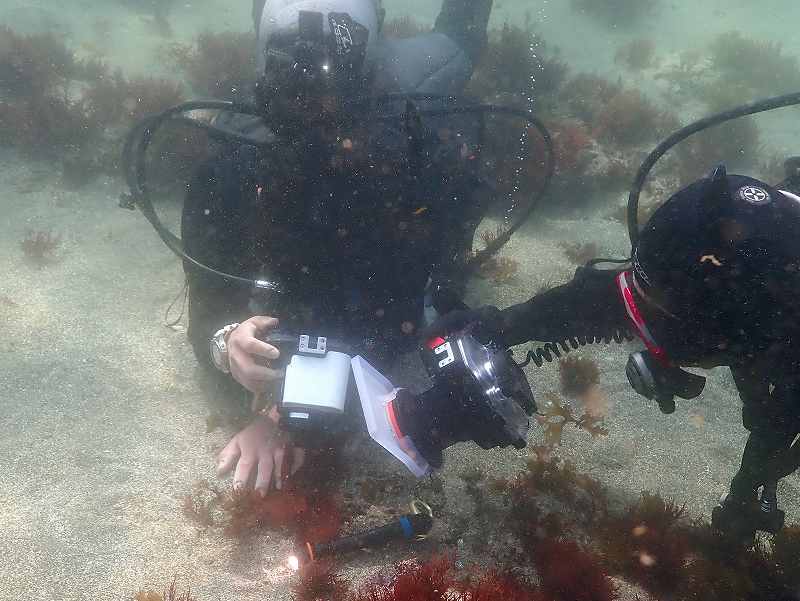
{"points": [[266, 466], [228, 457]]}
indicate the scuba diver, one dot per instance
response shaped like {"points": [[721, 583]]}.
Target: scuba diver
{"points": [[354, 218], [709, 283], [335, 222], [350, 227], [713, 281]]}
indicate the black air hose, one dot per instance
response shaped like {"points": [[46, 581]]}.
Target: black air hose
{"points": [[141, 135], [760, 106], [551, 351]]}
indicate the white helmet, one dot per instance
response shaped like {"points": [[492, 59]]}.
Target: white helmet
{"points": [[349, 27]]}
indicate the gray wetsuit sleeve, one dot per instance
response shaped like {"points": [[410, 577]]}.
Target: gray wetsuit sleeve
{"points": [[466, 22], [429, 64]]}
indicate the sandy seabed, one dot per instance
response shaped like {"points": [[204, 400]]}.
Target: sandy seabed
{"points": [[103, 422]]}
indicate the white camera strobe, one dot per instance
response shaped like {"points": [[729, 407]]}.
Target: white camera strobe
{"points": [[315, 386], [315, 392]]}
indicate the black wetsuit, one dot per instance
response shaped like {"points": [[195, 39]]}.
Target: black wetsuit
{"points": [[351, 236], [768, 382], [352, 232]]}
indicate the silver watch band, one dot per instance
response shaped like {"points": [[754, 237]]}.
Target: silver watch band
{"points": [[219, 347]]}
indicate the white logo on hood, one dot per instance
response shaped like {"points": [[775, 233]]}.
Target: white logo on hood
{"points": [[754, 195]]}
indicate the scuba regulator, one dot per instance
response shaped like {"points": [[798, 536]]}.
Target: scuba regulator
{"points": [[661, 383]]}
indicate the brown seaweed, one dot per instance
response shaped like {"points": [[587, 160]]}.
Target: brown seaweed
{"points": [[170, 594], [40, 246], [555, 416], [578, 375], [218, 64]]}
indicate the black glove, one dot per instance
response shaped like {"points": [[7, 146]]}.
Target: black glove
{"points": [[485, 323]]}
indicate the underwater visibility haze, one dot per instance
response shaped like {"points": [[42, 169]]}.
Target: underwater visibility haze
{"points": [[474, 172]]}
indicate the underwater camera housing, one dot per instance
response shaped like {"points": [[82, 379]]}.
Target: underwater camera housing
{"points": [[492, 388], [474, 385], [477, 394]]}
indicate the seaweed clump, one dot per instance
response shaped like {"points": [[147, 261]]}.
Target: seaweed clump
{"points": [[556, 415], [36, 64], [308, 516], [566, 524], [585, 94], [116, 101], [599, 128], [40, 246], [746, 67], [317, 581], [518, 69], [38, 109], [305, 507], [55, 106], [570, 573], [433, 580], [516, 66], [733, 69], [249, 510], [649, 543], [637, 55], [578, 375], [498, 269], [630, 119], [481, 532], [219, 64], [580, 253], [571, 141], [550, 504], [170, 594], [580, 496], [429, 580]]}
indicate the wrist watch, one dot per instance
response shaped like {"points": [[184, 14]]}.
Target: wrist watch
{"points": [[219, 348]]}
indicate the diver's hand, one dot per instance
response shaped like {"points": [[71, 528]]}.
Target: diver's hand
{"points": [[260, 450], [249, 357], [486, 323]]}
